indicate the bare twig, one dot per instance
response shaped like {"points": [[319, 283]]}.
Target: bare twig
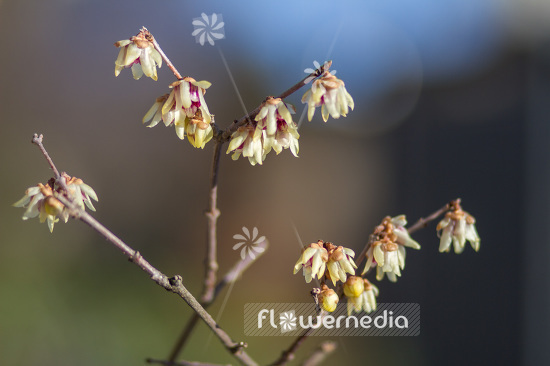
{"points": [[289, 354], [152, 39], [181, 363], [211, 262], [173, 284], [423, 222], [320, 354], [231, 276], [37, 140]]}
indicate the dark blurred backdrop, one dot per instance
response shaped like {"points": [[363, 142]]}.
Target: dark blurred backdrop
{"points": [[452, 100]]}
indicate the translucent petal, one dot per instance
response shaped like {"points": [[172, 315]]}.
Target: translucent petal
{"points": [[324, 112], [185, 94], [22, 202], [180, 131], [333, 270], [316, 262], [137, 71], [146, 64], [121, 56], [157, 58], [378, 255], [167, 106], [132, 54], [446, 240]]}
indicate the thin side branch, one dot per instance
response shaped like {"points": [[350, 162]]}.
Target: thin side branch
{"points": [[181, 363], [173, 284], [320, 354], [37, 140], [169, 64], [211, 261], [423, 222], [289, 354], [231, 276]]}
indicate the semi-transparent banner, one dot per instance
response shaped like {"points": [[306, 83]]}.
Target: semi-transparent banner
{"points": [[292, 319]]}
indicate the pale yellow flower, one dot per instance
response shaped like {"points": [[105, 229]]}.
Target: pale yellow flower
{"points": [[313, 261], [139, 54], [457, 227], [388, 249], [40, 201], [272, 129], [186, 109], [340, 262], [330, 94]]}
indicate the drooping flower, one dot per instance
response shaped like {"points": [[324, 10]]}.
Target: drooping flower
{"points": [[340, 262], [324, 255], [272, 128], [186, 109], [41, 201], [328, 299], [457, 227], [313, 261], [388, 248], [330, 94], [365, 301], [139, 53]]}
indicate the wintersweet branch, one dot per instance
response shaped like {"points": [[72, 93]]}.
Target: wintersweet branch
{"points": [[289, 354], [320, 354], [169, 64], [211, 263], [181, 363], [423, 222], [37, 140], [172, 284], [231, 276]]}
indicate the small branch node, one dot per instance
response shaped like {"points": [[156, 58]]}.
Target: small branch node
{"points": [[175, 281], [136, 257]]}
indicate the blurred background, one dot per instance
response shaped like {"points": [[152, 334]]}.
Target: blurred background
{"points": [[452, 99]]}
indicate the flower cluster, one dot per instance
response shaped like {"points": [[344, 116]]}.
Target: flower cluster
{"points": [[361, 295], [388, 248], [186, 109], [330, 93], [317, 257], [41, 201], [139, 53], [457, 227], [272, 128]]}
